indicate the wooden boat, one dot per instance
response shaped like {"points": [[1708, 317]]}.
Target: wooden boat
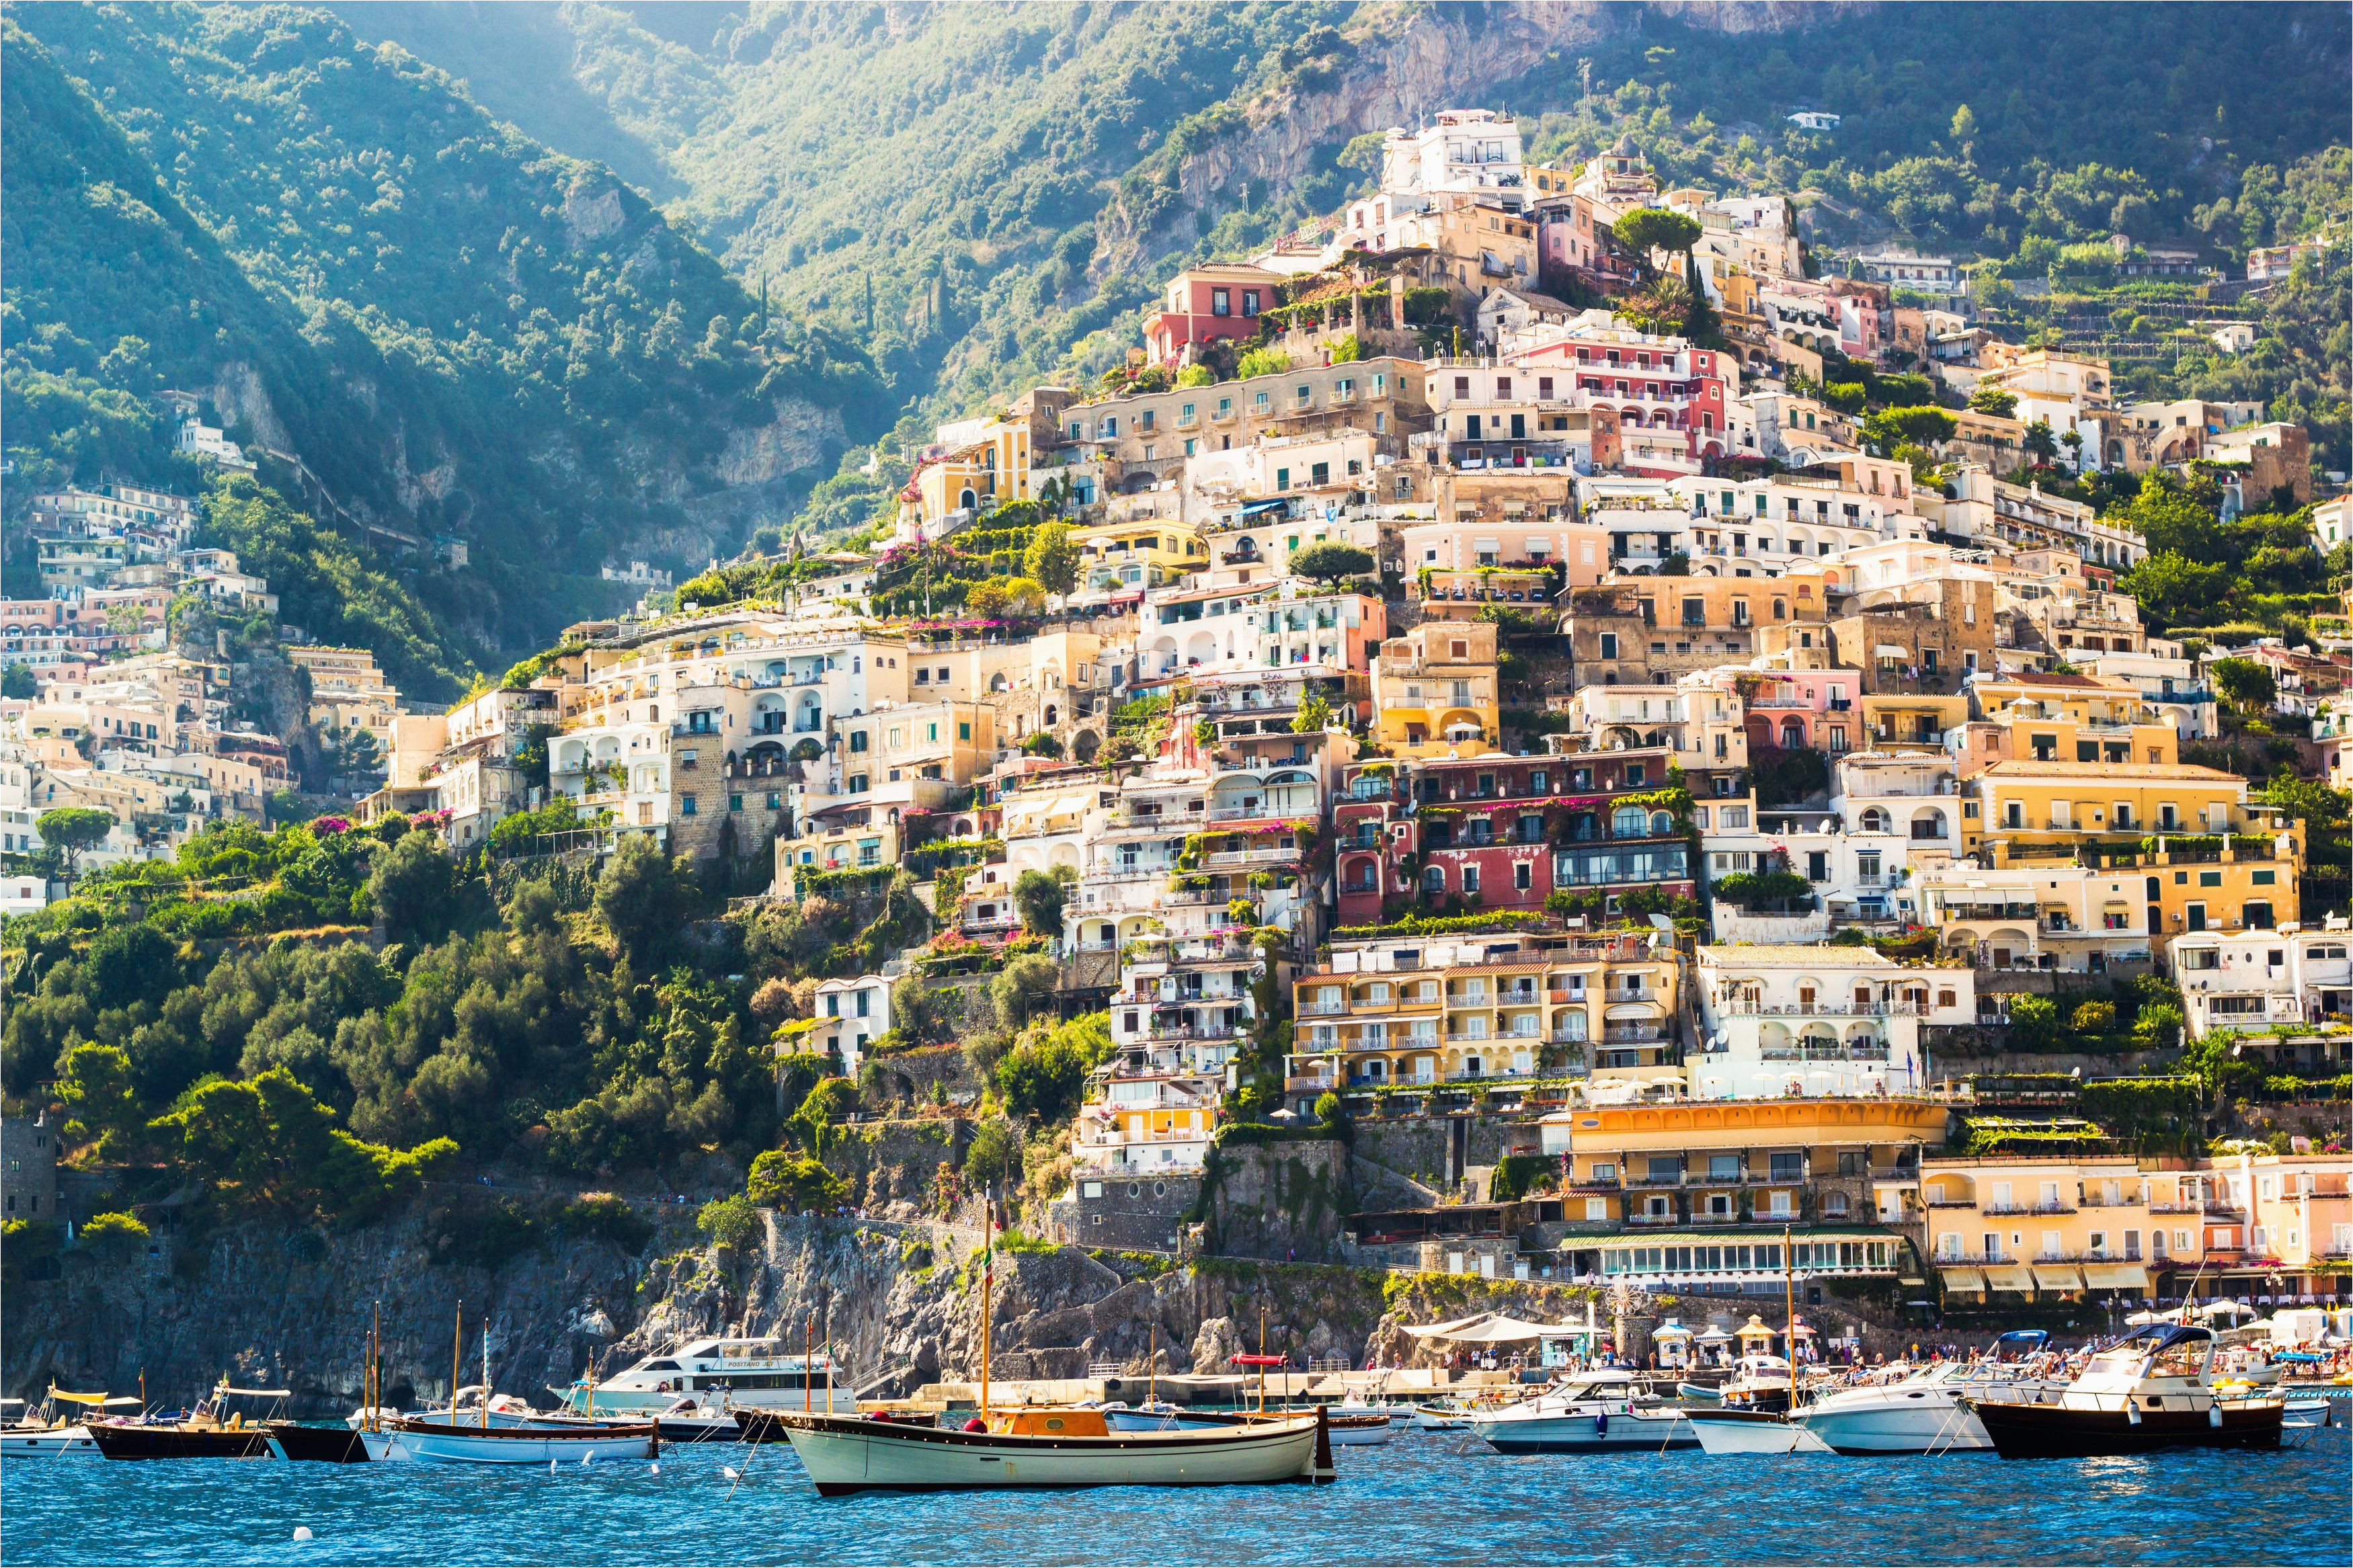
{"points": [[1051, 1448], [2151, 1390], [340, 1445], [1350, 1429], [439, 1443], [203, 1436], [557, 1440]]}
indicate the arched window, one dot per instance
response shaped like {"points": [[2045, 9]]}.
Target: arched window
{"points": [[1434, 878], [1628, 822]]}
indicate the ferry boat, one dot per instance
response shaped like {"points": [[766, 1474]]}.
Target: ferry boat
{"points": [[2152, 1389], [730, 1374], [1600, 1411]]}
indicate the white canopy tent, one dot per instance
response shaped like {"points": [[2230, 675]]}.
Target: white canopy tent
{"points": [[1493, 1329]]}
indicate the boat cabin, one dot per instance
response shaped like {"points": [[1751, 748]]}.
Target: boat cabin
{"points": [[1049, 1423]]}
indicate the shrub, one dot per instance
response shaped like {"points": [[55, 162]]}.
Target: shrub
{"points": [[2096, 1017], [781, 1179], [113, 1232], [731, 1223]]}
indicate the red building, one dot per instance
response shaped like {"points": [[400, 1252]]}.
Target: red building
{"points": [[1504, 833], [1204, 304]]}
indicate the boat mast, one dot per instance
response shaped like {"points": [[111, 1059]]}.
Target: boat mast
{"points": [[375, 1367], [457, 1343], [1152, 1367], [1789, 1293], [987, 1273], [828, 1362], [1261, 1357], [486, 1375]]}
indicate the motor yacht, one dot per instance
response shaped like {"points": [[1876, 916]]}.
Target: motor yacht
{"points": [[47, 1432], [1923, 1413], [1595, 1412], [2152, 1389], [730, 1374]]}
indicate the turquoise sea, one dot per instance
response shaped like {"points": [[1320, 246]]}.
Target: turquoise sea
{"points": [[1425, 1498]]}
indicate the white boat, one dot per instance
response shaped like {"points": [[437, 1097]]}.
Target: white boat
{"points": [[439, 1443], [1441, 1419], [506, 1411], [1921, 1414], [45, 1432], [1751, 1432], [1052, 1448], [731, 1373], [1595, 1411]]}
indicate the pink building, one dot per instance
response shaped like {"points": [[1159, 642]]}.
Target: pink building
{"points": [[1807, 709], [1204, 304]]}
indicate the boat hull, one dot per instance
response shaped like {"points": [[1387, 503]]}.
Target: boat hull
{"points": [[1584, 1434], [1896, 1430], [2064, 1432], [847, 1453], [1721, 1432], [176, 1443], [1354, 1429], [430, 1443], [317, 1445], [49, 1443]]}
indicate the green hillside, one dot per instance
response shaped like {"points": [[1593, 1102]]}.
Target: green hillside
{"points": [[352, 222], [457, 332]]}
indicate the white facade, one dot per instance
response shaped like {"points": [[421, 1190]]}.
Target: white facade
{"points": [[851, 1016], [1796, 1020], [2248, 980]]}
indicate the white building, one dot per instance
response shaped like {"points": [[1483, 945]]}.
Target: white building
{"points": [[851, 1016], [2248, 980], [1783, 1020]]}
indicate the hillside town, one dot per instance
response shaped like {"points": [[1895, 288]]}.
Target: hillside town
{"points": [[1539, 660]]}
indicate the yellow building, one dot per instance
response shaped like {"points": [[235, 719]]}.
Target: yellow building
{"points": [[1128, 557], [2207, 858], [949, 741], [835, 847], [974, 476], [1436, 692], [1494, 1004], [1745, 1162], [348, 692], [1894, 722], [2037, 717], [2011, 1225]]}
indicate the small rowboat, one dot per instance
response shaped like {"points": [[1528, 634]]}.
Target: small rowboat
{"points": [[438, 1443], [1050, 1449]]}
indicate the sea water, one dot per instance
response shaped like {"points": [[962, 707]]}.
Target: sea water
{"points": [[1424, 1498]]}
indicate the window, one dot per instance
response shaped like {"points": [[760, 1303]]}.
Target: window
{"points": [[687, 806], [964, 729], [1220, 302]]}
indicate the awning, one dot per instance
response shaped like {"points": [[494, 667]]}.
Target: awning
{"points": [[1889, 651], [1493, 1328], [2057, 1277], [2115, 1277], [2012, 1279], [1972, 1281]]}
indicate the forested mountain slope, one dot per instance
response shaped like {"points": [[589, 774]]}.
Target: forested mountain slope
{"points": [[986, 193], [457, 332]]}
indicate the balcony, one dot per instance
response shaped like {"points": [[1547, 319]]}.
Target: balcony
{"points": [[1740, 1008], [2060, 1207], [1227, 860]]}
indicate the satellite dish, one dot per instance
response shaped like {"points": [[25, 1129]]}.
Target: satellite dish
{"points": [[1662, 922]]}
